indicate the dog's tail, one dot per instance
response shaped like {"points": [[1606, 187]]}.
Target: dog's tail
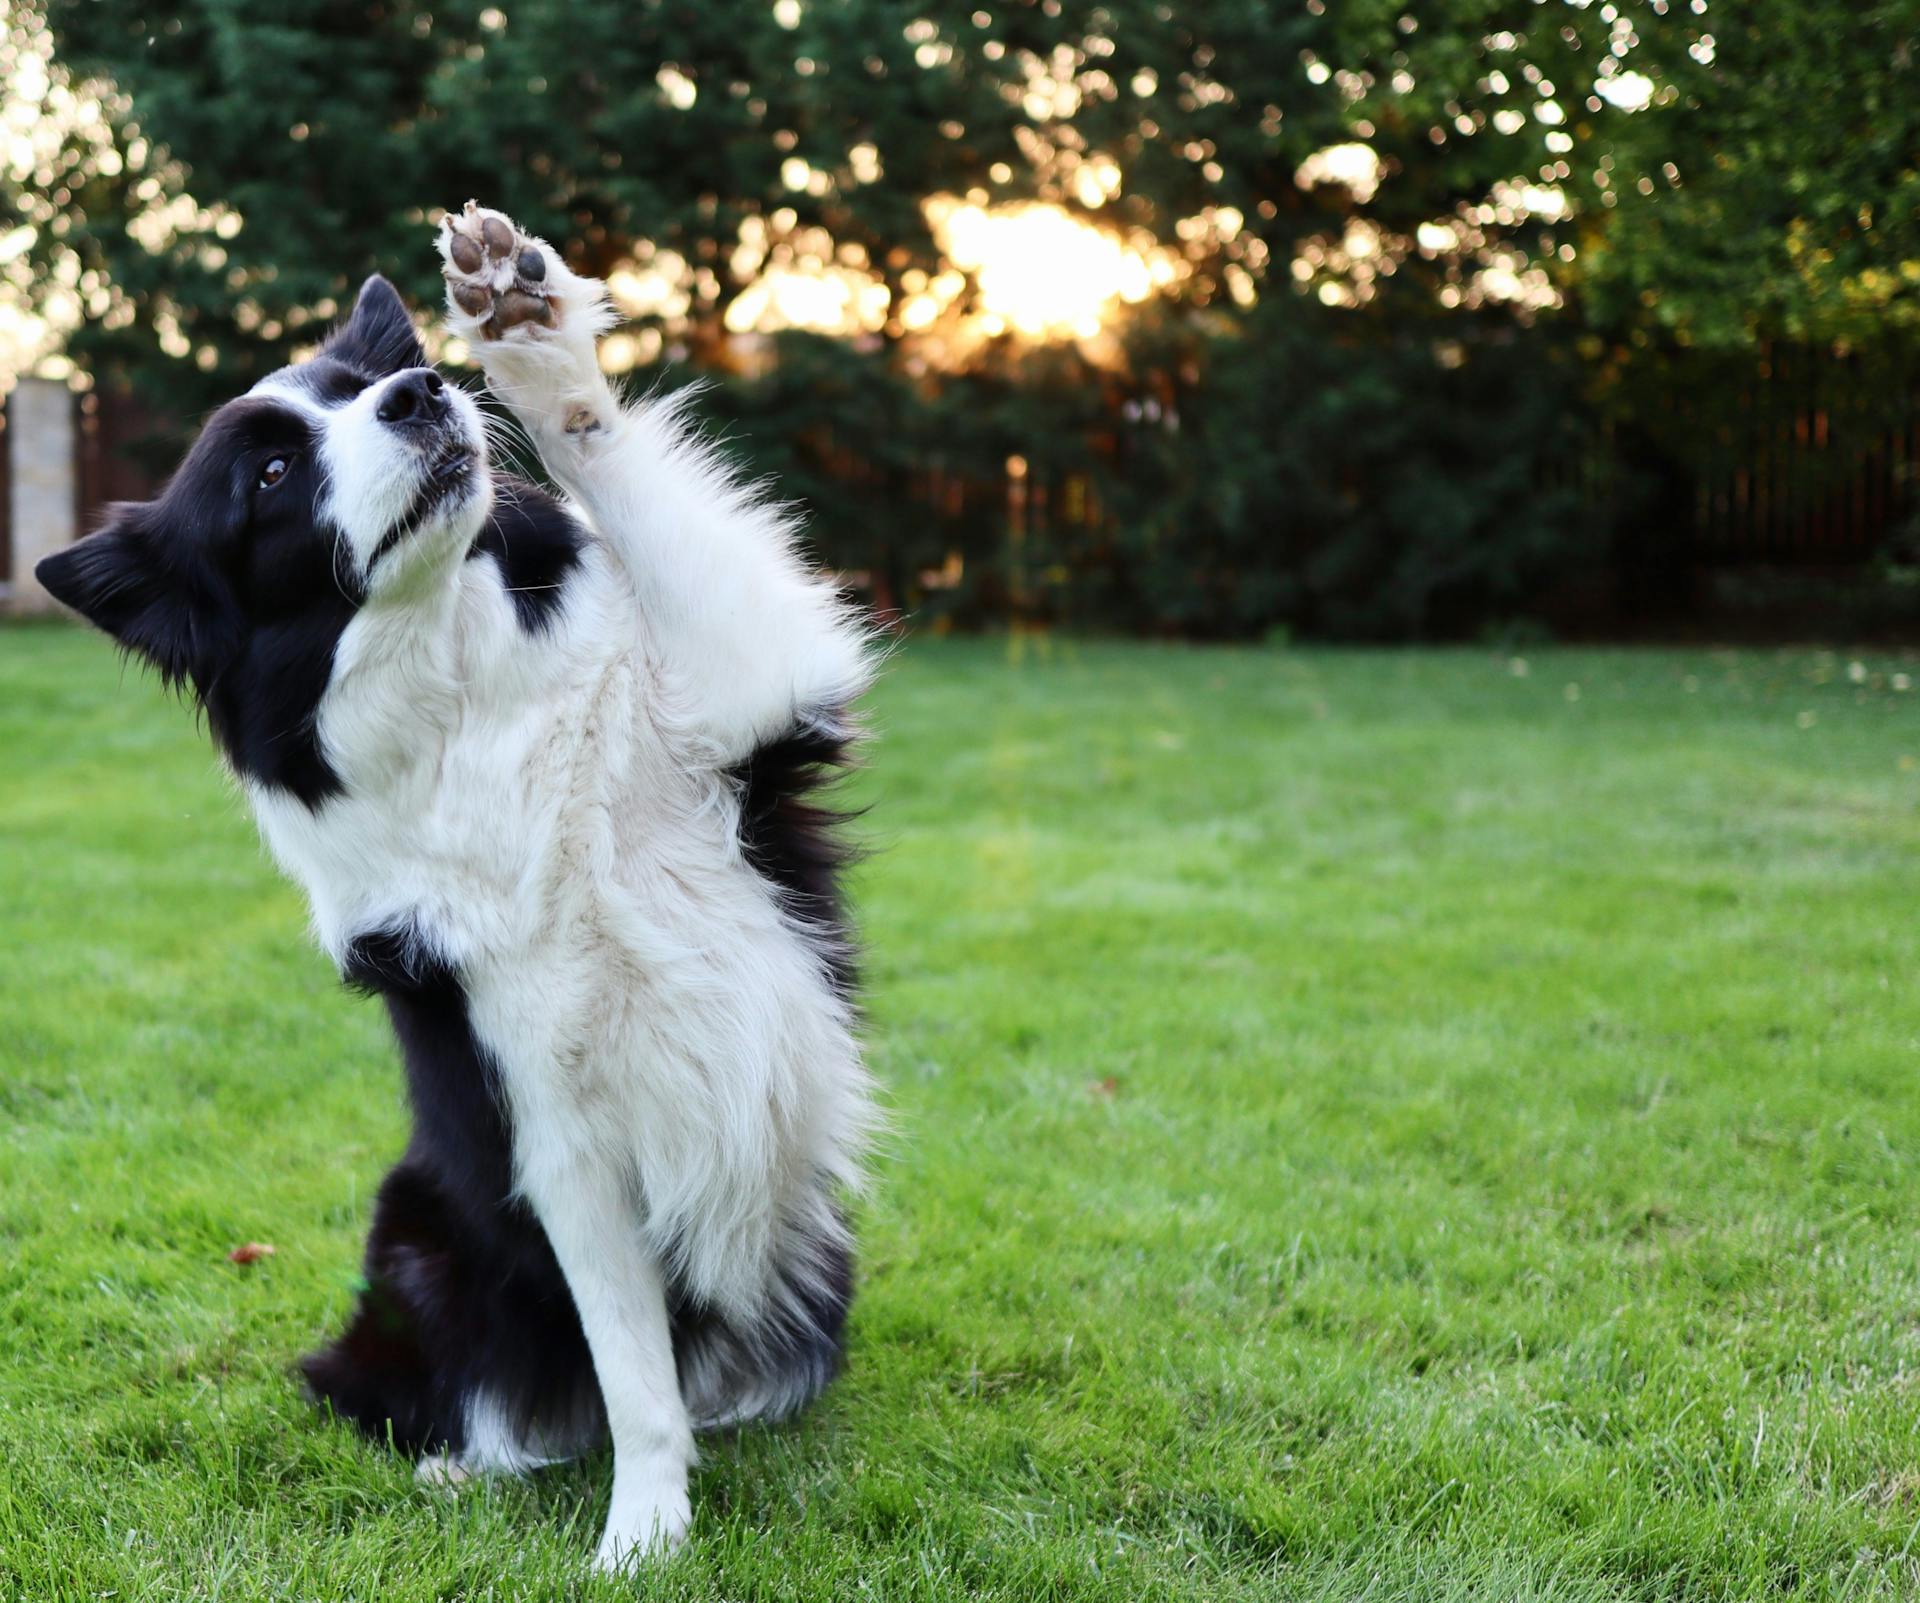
{"points": [[734, 1370]]}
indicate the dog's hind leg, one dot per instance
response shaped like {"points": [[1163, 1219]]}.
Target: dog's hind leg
{"points": [[728, 608], [386, 1373], [465, 1346]]}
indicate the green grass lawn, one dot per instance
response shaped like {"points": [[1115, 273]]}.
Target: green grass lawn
{"points": [[1368, 1125]]}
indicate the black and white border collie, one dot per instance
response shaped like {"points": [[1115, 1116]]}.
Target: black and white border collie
{"points": [[546, 771]]}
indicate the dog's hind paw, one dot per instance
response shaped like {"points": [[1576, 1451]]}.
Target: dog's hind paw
{"points": [[442, 1472], [498, 279]]}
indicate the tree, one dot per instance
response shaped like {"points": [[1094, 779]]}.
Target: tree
{"points": [[1351, 199]]}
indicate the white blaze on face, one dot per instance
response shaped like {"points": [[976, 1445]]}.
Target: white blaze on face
{"points": [[377, 479]]}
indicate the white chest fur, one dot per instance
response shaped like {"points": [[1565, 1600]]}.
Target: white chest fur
{"points": [[547, 818]]}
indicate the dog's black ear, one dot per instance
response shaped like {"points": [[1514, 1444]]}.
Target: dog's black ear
{"points": [[378, 338], [118, 581]]}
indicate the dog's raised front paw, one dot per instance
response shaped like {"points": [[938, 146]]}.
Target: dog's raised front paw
{"points": [[496, 275]]}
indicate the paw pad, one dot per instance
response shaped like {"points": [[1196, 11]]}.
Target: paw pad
{"points": [[495, 273]]}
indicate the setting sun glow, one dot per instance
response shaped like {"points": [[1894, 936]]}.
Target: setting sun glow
{"points": [[1036, 271], [1044, 273]]}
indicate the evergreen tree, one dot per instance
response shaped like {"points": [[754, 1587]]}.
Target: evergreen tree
{"points": [[1551, 199]]}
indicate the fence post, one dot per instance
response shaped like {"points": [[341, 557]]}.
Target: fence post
{"points": [[43, 447]]}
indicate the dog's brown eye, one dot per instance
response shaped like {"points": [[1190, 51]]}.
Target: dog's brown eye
{"points": [[273, 473]]}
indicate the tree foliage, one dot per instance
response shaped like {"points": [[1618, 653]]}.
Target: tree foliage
{"points": [[1351, 409]]}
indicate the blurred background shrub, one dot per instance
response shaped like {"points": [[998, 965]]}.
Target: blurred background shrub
{"points": [[1358, 320]]}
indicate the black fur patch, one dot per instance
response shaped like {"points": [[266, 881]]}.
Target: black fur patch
{"points": [[236, 589], [332, 380], [795, 841], [536, 543], [463, 1292]]}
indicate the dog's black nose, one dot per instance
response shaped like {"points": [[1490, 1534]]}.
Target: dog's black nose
{"points": [[416, 396]]}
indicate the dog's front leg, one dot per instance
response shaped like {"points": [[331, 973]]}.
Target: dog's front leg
{"points": [[620, 1293], [754, 640]]}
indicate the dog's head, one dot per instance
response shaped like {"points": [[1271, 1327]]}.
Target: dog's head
{"points": [[357, 478]]}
